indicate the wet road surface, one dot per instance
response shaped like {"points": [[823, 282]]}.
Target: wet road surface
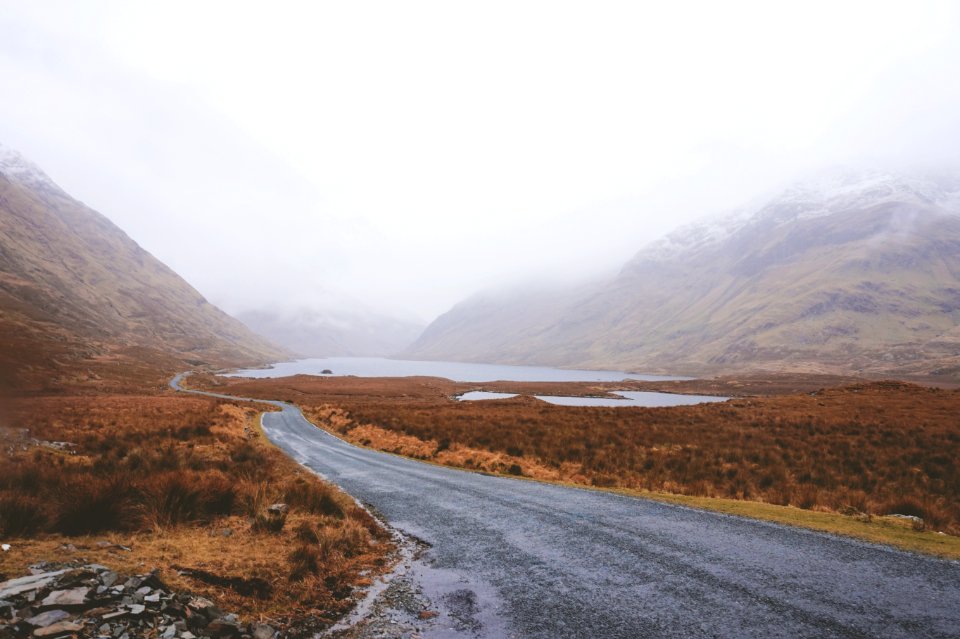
{"points": [[524, 559]]}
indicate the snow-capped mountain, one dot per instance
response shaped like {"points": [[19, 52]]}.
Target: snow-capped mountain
{"points": [[825, 194], [847, 271], [17, 168]]}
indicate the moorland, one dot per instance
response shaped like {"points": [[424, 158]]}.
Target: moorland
{"points": [[829, 444]]}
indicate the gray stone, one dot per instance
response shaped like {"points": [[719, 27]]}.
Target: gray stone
{"points": [[144, 591], [108, 578], [136, 609], [263, 631], [47, 618], [154, 598], [15, 587], [169, 632], [71, 597]]}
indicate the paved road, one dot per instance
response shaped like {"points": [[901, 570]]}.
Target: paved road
{"points": [[537, 560]]}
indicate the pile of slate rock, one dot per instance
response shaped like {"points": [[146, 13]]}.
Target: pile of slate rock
{"points": [[93, 601]]}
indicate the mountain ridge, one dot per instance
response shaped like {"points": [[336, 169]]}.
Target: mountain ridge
{"points": [[76, 292], [859, 272]]}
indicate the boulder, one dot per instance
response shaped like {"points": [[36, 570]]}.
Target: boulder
{"points": [[47, 618], [66, 598], [263, 631], [14, 587]]}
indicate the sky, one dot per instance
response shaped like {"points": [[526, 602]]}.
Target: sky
{"points": [[399, 157]]}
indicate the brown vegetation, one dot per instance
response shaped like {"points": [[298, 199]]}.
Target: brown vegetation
{"points": [[870, 448], [182, 482]]}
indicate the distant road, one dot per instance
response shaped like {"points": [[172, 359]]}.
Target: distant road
{"points": [[537, 560]]}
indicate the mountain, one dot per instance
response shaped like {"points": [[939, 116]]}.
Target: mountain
{"points": [[346, 331], [78, 296], [855, 271]]}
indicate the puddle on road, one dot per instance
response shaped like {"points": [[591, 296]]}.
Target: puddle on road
{"points": [[420, 601]]}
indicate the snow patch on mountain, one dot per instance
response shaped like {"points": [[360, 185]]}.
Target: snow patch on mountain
{"points": [[827, 193], [16, 167]]}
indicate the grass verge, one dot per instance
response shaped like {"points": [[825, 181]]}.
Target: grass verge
{"points": [[168, 482], [892, 531]]}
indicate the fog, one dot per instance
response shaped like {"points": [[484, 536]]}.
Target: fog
{"points": [[401, 156]]}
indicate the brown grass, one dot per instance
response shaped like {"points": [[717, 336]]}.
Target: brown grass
{"points": [[166, 476], [870, 448]]}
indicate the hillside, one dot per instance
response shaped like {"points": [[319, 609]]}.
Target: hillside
{"points": [[78, 297], [853, 272]]}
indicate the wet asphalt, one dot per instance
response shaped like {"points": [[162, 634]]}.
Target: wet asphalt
{"points": [[525, 559]]}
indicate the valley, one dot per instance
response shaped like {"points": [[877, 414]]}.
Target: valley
{"points": [[501, 557], [370, 496], [864, 449]]}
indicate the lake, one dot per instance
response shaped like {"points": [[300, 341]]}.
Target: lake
{"points": [[456, 371], [630, 398]]}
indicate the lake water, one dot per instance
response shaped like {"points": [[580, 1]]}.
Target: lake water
{"points": [[630, 398], [456, 371]]}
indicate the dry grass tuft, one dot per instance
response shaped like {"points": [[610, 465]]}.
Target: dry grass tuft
{"points": [[874, 448], [182, 481]]}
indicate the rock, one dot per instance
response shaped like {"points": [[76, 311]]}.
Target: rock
{"points": [[14, 587], [154, 598], [427, 614], [222, 628], [146, 590], [227, 532], [263, 631], [115, 615], [136, 609], [58, 629], [66, 598], [47, 618], [278, 510], [169, 632], [186, 634]]}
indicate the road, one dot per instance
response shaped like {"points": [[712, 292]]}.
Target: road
{"points": [[525, 559]]}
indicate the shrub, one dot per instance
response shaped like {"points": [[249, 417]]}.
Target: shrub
{"points": [[94, 505], [307, 533], [21, 515], [304, 560], [173, 498], [312, 497]]}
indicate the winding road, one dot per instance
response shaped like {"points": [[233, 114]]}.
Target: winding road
{"points": [[524, 559]]}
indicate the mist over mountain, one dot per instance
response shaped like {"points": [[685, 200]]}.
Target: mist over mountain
{"points": [[78, 295], [854, 271], [343, 331]]}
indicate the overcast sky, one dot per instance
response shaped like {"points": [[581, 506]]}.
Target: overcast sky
{"points": [[407, 154]]}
